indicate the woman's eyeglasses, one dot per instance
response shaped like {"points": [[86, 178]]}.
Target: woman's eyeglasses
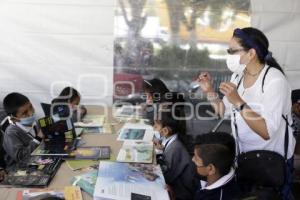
{"points": [[233, 51]]}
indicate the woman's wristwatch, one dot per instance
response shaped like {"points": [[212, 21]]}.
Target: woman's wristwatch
{"points": [[241, 107]]}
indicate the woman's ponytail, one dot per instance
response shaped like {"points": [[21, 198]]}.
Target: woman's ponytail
{"points": [[272, 62]]}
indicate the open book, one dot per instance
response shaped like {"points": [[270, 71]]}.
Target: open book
{"points": [[130, 181], [133, 151]]}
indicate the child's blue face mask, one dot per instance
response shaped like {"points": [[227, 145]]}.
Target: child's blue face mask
{"points": [[28, 121]]}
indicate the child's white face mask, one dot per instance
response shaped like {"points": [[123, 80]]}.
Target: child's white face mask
{"points": [[157, 135], [234, 65]]}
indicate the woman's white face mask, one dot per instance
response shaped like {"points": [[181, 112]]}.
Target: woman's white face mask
{"points": [[234, 65]]}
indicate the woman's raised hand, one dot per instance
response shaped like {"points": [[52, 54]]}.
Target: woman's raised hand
{"points": [[205, 81], [229, 90]]}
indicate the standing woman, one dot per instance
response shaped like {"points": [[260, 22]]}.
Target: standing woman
{"points": [[257, 97]]}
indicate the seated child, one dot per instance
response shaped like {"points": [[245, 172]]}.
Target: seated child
{"points": [[20, 137], [176, 164], [214, 159], [69, 98], [154, 94]]}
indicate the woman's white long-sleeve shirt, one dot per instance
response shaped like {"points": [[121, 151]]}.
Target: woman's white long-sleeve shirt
{"points": [[271, 104]]}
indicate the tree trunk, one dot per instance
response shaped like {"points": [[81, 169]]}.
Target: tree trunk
{"points": [[175, 9], [135, 24], [193, 40]]}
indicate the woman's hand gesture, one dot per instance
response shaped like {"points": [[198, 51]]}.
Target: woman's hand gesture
{"points": [[205, 81], [230, 91]]}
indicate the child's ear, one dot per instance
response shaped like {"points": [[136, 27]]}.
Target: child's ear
{"points": [[212, 170], [13, 118], [165, 131], [168, 130], [193, 159]]}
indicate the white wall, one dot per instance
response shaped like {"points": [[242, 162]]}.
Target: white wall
{"points": [[280, 21], [47, 44]]}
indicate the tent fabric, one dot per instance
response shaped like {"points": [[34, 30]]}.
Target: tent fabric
{"points": [[48, 44], [280, 20]]}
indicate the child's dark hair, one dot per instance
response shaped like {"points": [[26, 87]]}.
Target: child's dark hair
{"points": [[295, 96], [68, 94], [217, 154], [166, 119], [217, 138], [155, 87], [217, 149], [252, 38], [13, 101]]}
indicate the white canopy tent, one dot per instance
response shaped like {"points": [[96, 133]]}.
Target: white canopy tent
{"points": [[47, 44], [280, 21]]}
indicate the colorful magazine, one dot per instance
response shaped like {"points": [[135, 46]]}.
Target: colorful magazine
{"points": [[136, 132], [91, 153], [123, 180], [139, 152]]}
